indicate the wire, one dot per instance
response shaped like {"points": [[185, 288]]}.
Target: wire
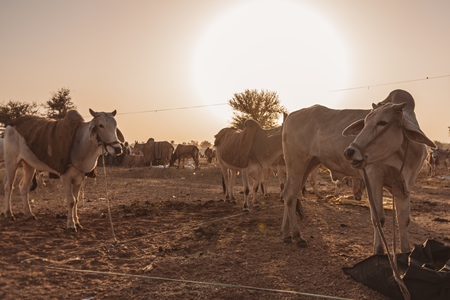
{"points": [[225, 285], [331, 91], [389, 83], [169, 109]]}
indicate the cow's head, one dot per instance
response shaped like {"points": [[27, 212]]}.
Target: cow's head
{"points": [[382, 133], [104, 127]]}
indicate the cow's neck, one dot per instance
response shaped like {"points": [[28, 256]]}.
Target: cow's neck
{"points": [[85, 149]]}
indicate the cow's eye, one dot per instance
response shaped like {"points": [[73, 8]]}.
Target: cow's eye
{"points": [[101, 126], [381, 123]]}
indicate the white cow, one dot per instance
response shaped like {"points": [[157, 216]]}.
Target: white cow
{"points": [[91, 139], [314, 135]]}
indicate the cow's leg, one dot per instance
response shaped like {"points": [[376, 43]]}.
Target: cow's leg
{"points": [[296, 178], [255, 185], [376, 184], [244, 174], [225, 180], [377, 193], [24, 188], [265, 178], [281, 173], [337, 184], [403, 212], [293, 186], [313, 182], [291, 190], [231, 181], [76, 188], [8, 183], [196, 162], [70, 201], [358, 187]]}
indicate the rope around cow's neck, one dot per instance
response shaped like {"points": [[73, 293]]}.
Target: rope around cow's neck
{"points": [[107, 200], [392, 259]]}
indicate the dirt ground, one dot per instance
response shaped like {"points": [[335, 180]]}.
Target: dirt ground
{"points": [[177, 238]]}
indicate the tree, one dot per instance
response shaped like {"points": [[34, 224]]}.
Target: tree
{"points": [[262, 106], [192, 142], [205, 144], [14, 109], [59, 104]]}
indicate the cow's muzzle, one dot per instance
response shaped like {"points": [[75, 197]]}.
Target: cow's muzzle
{"points": [[113, 148], [356, 156]]}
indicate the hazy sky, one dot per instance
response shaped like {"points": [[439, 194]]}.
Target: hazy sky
{"points": [[139, 57]]}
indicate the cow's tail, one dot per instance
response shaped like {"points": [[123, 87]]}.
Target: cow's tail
{"points": [[34, 182], [299, 209], [224, 188]]}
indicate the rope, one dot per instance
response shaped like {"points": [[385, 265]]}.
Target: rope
{"points": [[107, 201], [392, 261], [225, 285]]}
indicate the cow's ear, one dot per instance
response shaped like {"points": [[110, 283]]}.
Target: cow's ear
{"points": [[354, 128], [93, 113], [114, 113], [120, 135], [413, 133]]}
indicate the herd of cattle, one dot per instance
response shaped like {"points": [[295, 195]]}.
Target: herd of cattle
{"points": [[384, 146]]}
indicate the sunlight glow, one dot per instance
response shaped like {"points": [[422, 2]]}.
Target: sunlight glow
{"points": [[279, 46]]}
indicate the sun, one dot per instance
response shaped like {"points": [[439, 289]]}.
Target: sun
{"points": [[280, 46]]}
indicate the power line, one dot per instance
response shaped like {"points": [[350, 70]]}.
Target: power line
{"points": [[389, 83], [168, 109], [332, 91]]}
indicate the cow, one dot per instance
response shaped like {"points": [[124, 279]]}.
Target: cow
{"points": [[356, 183], [210, 154], [278, 169], [116, 160], [319, 134], [74, 152], [249, 151], [185, 151], [137, 148], [437, 159], [157, 151]]}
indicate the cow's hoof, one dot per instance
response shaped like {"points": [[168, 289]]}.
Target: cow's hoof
{"points": [[246, 210], [287, 240], [302, 244], [70, 230], [31, 218], [79, 227]]}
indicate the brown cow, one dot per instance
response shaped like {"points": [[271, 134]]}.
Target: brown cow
{"points": [[356, 183], [157, 151], [185, 151], [314, 135], [250, 151], [437, 159], [210, 154], [43, 147]]}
